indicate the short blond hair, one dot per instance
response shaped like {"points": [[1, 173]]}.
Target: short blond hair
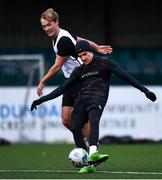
{"points": [[50, 15]]}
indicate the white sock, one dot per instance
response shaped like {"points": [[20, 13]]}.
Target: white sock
{"points": [[92, 149], [86, 142]]}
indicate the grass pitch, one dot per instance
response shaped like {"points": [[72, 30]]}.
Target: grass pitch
{"points": [[51, 161]]}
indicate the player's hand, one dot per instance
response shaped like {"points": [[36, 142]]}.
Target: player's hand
{"points": [[34, 105], [40, 88], [150, 95], [104, 49]]}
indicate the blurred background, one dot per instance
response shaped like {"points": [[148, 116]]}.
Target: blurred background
{"points": [[132, 28]]}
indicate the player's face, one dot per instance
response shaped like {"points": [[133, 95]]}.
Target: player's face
{"points": [[50, 27], [86, 57]]}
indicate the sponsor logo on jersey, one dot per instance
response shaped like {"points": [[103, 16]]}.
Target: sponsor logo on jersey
{"points": [[90, 74]]}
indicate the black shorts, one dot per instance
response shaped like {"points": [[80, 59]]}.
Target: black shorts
{"points": [[87, 107], [70, 95]]}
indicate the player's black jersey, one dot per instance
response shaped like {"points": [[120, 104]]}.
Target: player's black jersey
{"points": [[95, 79]]}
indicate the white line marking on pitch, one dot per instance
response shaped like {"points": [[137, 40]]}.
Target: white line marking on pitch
{"points": [[72, 171]]}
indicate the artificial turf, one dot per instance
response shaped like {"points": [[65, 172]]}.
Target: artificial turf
{"points": [[46, 161]]}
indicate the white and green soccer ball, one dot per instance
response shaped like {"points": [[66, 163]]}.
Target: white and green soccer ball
{"points": [[78, 157]]}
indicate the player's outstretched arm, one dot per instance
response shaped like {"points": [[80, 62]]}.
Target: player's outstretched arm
{"points": [[52, 71], [121, 73], [57, 92], [54, 94], [103, 49]]}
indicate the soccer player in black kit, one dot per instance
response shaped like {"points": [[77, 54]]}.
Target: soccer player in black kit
{"points": [[94, 75]]}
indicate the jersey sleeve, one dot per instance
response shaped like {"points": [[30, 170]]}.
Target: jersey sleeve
{"points": [[122, 74], [65, 46]]}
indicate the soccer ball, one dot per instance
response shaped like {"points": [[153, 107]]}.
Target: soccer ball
{"points": [[78, 157]]}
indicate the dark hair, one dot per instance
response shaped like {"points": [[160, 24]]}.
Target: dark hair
{"points": [[83, 45]]}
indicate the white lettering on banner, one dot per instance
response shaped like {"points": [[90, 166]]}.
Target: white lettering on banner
{"points": [[133, 108], [128, 112], [30, 125], [16, 125], [118, 123]]}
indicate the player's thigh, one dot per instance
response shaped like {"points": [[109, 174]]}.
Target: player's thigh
{"points": [[66, 114], [67, 106], [77, 122], [94, 114], [78, 114]]}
